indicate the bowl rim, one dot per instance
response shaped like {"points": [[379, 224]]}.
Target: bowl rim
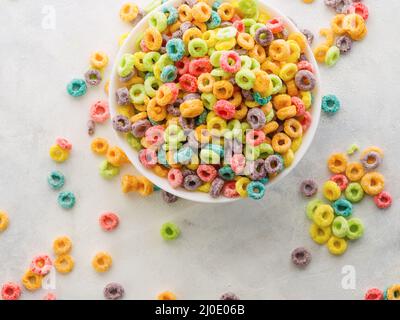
{"points": [[200, 196]]}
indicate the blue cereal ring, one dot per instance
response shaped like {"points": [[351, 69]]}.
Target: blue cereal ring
{"points": [[77, 87], [330, 104], [175, 49], [162, 157], [226, 173], [343, 207], [261, 100], [172, 14], [264, 181], [216, 149], [66, 200], [214, 21], [184, 155], [56, 180], [255, 190], [169, 73]]}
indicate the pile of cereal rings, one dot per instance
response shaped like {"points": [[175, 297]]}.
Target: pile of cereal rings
{"points": [[333, 223], [216, 97]]}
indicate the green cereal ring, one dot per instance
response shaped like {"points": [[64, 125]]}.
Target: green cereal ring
{"points": [[137, 93], [312, 206], [158, 20], [66, 200], [340, 227], [251, 152], [126, 65], [332, 56], [219, 73], [208, 100], [255, 65], [265, 150], [246, 62], [276, 83], [245, 79], [354, 192], [270, 116], [197, 48], [234, 125], [248, 23], [151, 85], [56, 180], [209, 156], [254, 27], [173, 134], [150, 59], [170, 231], [356, 229], [107, 170], [163, 61], [133, 141], [77, 87]]}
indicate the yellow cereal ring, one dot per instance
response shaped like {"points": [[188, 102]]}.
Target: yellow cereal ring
{"points": [[288, 158], [329, 36], [64, 263], [337, 163], [99, 146], [116, 156], [62, 245], [205, 82], [336, 246], [323, 215], [236, 99], [241, 112], [287, 112], [223, 90], [241, 186], [279, 50], [102, 262], [58, 154], [271, 66], [354, 25], [145, 186], [296, 143], [372, 183], [262, 82], [201, 12], [155, 111], [245, 40], [306, 97], [337, 24], [320, 235], [206, 187], [129, 183], [139, 116], [331, 190], [167, 295], [129, 12], [258, 53], [122, 38], [355, 171], [300, 39], [31, 281], [270, 127], [226, 11], [281, 142], [4, 221], [293, 128], [152, 39], [393, 292], [98, 60], [280, 101], [190, 34], [191, 108], [320, 52], [185, 13]]}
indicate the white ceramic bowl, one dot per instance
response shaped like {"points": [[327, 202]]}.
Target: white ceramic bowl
{"points": [[129, 47]]}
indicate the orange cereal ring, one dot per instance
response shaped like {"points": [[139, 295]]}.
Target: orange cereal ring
{"points": [[191, 34], [337, 24], [205, 82], [374, 149], [329, 36], [280, 101], [167, 295], [155, 111], [372, 183], [160, 170], [354, 171], [226, 11], [164, 95], [145, 187], [279, 50], [129, 184], [240, 112], [262, 82], [152, 39], [337, 163], [320, 52], [99, 146], [271, 66], [116, 156], [236, 99], [281, 143], [191, 108], [245, 40], [258, 53], [185, 13], [286, 112], [102, 262], [270, 127], [293, 128], [201, 12], [223, 90]]}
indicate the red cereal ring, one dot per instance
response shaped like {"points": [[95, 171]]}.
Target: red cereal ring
{"points": [[275, 25], [383, 200], [341, 180], [374, 294], [148, 158], [99, 111], [10, 291], [230, 62], [305, 121], [182, 65], [229, 190], [63, 143], [108, 221], [255, 137], [305, 65], [206, 172], [359, 8], [224, 109], [300, 107], [235, 18], [239, 25], [199, 66], [188, 83]]}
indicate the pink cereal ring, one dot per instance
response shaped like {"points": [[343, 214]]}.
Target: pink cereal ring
{"points": [[230, 61], [305, 65], [155, 135], [206, 172], [238, 163], [175, 178], [143, 46], [359, 8], [255, 137], [229, 190], [10, 291], [41, 264], [50, 296], [383, 200], [341, 180], [108, 221], [224, 109], [148, 158], [188, 83], [63, 143], [305, 120], [300, 107], [99, 111], [174, 90], [182, 65], [199, 66], [275, 25], [239, 25]]}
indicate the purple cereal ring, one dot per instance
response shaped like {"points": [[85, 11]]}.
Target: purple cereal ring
{"points": [[256, 169], [93, 77], [187, 172], [264, 36], [191, 182], [273, 164], [187, 123], [216, 187], [91, 127], [301, 257], [121, 123], [169, 197], [113, 291], [344, 43], [177, 34], [229, 296], [305, 80], [256, 118], [371, 160], [309, 36], [139, 128], [123, 98], [308, 187], [342, 5]]}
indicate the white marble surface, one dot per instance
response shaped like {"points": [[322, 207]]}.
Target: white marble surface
{"points": [[242, 247]]}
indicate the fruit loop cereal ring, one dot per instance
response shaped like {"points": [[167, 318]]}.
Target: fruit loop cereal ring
{"points": [[63, 143], [373, 294], [356, 229], [305, 80], [152, 38], [245, 79], [56, 180], [222, 89], [140, 127], [224, 109], [77, 88], [230, 61], [337, 246], [99, 111], [340, 227], [66, 200], [216, 187], [197, 48], [158, 20], [188, 83], [330, 104], [308, 188], [31, 281], [337, 24], [58, 154], [64, 263], [320, 52], [255, 190], [323, 215], [50, 296], [273, 164], [360, 9], [337, 163], [169, 197], [166, 295], [215, 21], [331, 190], [170, 231], [393, 293], [62, 245], [229, 296], [102, 262], [256, 118], [354, 171], [191, 182], [129, 12], [354, 192], [199, 66], [41, 265], [10, 291], [383, 200], [320, 235], [98, 60], [311, 207], [229, 190], [301, 257], [344, 43], [281, 142], [372, 183], [343, 208], [371, 160], [191, 108], [93, 77], [113, 291], [108, 221], [99, 146], [332, 56], [206, 173], [175, 178]]}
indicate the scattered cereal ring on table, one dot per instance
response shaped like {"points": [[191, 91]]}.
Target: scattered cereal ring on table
{"points": [[102, 262], [10, 291], [4, 221], [64, 143], [356, 229], [31, 281], [66, 200], [77, 88], [383, 200], [373, 294], [229, 296], [340, 227], [301, 257], [113, 291], [308, 188], [56, 180], [64, 263], [393, 292], [337, 246], [170, 231], [62, 245], [108, 221], [41, 265], [99, 146], [58, 154], [99, 111], [330, 104], [166, 295]]}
